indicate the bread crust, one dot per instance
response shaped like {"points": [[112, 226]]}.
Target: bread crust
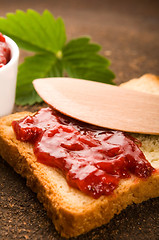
{"points": [[72, 212]]}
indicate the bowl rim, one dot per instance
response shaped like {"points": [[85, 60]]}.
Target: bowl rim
{"points": [[14, 53]]}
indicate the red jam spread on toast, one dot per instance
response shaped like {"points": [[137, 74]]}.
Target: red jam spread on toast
{"points": [[4, 51], [93, 159]]}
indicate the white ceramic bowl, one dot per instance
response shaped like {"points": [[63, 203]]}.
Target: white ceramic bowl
{"points": [[8, 77]]}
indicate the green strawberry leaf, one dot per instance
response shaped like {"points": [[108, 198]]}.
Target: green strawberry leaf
{"points": [[81, 60], [46, 36], [34, 32], [38, 66]]}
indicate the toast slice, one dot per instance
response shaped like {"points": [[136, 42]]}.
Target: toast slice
{"points": [[71, 211]]}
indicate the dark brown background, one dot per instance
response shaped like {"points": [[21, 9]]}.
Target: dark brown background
{"points": [[129, 34]]}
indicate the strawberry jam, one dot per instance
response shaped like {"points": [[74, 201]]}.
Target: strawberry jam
{"points": [[4, 51], [92, 159]]}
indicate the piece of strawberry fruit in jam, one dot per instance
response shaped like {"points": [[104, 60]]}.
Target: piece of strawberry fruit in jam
{"points": [[2, 38], [5, 53]]}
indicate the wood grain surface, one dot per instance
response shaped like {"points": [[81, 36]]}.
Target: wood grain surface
{"points": [[129, 34], [100, 104]]}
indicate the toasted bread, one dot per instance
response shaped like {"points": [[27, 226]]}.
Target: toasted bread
{"points": [[71, 211]]}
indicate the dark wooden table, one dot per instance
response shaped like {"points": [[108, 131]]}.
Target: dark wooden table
{"points": [[129, 34]]}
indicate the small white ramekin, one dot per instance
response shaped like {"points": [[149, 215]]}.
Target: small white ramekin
{"points": [[8, 77]]}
